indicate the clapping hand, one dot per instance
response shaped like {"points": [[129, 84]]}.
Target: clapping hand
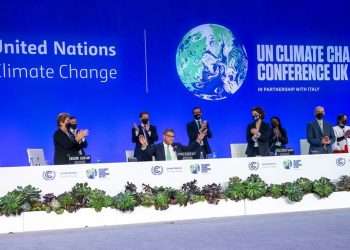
{"points": [[143, 141], [81, 135]]}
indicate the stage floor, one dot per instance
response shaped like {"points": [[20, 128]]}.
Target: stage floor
{"points": [[328, 230]]}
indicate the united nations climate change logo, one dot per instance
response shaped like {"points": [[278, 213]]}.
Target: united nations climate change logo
{"points": [[211, 63]]}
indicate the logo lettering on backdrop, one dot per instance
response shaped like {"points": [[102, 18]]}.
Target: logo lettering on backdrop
{"points": [[63, 71]]}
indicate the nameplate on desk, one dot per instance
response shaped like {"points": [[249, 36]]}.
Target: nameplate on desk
{"points": [[79, 159]]}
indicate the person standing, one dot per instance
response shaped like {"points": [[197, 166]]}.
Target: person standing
{"points": [[258, 134], [73, 128], [320, 134], [194, 128], [278, 135], [342, 134], [66, 144], [148, 131]]}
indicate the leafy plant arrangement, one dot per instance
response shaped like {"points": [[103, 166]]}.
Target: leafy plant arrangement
{"points": [[51, 203], [20, 200], [193, 192], [98, 199], [124, 201], [235, 189], [305, 184], [323, 187], [293, 191], [80, 193], [67, 202], [275, 191], [255, 187], [344, 183], [213, 193]]}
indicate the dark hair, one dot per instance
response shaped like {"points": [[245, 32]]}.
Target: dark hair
{"points": [[143, 113], [339, 117], [168, 130], [260, 111], [61, 117], [278, 119], [72, 117], [197, 107]]}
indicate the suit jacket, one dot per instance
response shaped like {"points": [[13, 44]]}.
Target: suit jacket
{"points": [[151, 139], [192, 132], [263, 140], [65, 147], [315, 135], [157, 150]]}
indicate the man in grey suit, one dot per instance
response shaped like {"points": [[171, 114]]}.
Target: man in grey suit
{"points": [[320, 134]]}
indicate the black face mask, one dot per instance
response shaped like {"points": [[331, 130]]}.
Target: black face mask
{"points": [[73, 126], [343, 123], [144, 121], [68, 125], [256, 117], [197, 117], [319, 116]]}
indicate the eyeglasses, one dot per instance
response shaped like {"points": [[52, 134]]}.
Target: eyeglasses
{"points": [[168, 135]]}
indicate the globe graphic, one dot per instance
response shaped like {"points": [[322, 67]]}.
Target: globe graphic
{"points": [[211, 63]]}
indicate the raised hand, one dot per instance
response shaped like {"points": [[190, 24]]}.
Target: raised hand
{"points": [[143, 141]]}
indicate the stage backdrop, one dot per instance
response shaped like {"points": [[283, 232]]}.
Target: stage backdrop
{"points": [[105, 61]]}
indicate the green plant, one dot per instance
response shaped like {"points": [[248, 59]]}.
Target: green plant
{"points": [[67, 202], [80, 193], [323, 187], [181, 198], [147, 199], [98, 199], [161, 201], [293, 191], [344, 183], [235, 189], [196, 198], [275, 191], [305, 184], [11, 203], [124, 201], [255, 187]]}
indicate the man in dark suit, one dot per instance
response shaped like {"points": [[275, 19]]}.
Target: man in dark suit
{"points": [[73, 128], [148, 131], [320, 134], [258, 135], [168, 150], [194, 128], [66, 144]]}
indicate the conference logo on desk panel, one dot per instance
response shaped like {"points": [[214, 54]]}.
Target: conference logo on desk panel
{"points": [[292, 164], [49, 175], [94, 173], [157, 170], [200, 168], [253, 166], [211, 62], [340, 162]]}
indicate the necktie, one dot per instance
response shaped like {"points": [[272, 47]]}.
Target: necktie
{"points": [[167, 155]]}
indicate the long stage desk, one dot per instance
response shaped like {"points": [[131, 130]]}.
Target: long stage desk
{"points": [[112, 177]]}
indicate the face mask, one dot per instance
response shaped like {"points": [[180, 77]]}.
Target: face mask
{"points": [[68, 125], [144, 121], [197, 116], [319, 116], [256, 117], [343, 123], [73, 126]]}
